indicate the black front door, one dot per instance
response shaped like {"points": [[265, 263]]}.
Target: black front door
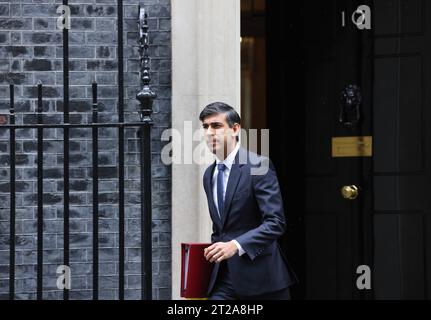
{"points": [[402, 160], [326, 54], [337, 105], [387, 227]]}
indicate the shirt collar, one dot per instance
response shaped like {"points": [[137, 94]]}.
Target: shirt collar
{"points": [[230, 158]]}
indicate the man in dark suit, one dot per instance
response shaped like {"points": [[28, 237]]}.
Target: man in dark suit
{"points": [[246, 209]]}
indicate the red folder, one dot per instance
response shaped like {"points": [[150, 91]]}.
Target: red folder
{"points": [[195, 270]]}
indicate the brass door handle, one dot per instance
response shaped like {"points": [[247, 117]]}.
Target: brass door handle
{"points": [[350, 192]]}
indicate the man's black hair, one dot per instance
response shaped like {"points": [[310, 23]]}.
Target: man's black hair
{"points": [[232, 116]]}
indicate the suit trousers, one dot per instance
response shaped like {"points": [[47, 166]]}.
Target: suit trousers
{"points": [[223, 289]]}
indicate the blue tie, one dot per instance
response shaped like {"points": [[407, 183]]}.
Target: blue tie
{"points": [[220, 198]]}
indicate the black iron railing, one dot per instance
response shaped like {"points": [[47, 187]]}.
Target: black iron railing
{"points": [[145, 97]]}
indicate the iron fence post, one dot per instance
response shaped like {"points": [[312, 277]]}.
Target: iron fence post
{"points": [[146, 97]]}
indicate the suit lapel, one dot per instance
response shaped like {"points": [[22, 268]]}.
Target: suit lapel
{"points": [[234, 177], [212, 207]]}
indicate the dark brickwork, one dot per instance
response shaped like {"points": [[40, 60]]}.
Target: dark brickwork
{"points": [[31, 50]]}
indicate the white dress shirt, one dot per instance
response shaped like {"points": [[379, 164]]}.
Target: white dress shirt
{"points": [[228, 163]]}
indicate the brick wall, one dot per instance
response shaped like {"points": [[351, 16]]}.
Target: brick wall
{"points": [[31, 50]]}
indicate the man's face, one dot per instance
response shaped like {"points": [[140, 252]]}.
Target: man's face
{"points": [[218, 134]]}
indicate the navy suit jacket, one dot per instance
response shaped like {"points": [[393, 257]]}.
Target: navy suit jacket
{"points": [[254, 216]]}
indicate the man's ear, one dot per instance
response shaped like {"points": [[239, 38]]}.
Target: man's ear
{"points": [[236, 128]]}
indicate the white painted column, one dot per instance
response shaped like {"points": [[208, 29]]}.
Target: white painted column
{"points": [[205, 68]]}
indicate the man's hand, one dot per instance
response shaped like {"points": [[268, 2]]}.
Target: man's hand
{"points": [[220, 251]]}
